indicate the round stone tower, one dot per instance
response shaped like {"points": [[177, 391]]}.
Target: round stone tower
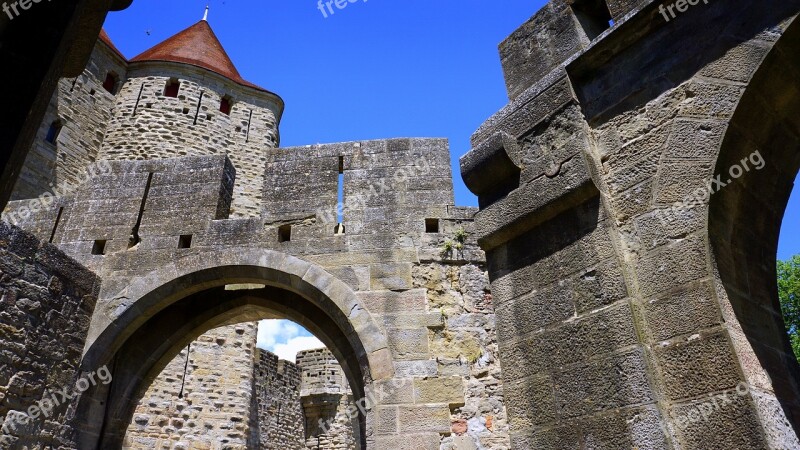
{"points": [[185, 97]]}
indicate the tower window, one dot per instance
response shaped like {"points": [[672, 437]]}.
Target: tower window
{"points": [[172, 88], [225, 105], [53, 132], [110, 84]]}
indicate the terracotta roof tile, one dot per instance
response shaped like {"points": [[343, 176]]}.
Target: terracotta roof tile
{"points": [[198, 46]]}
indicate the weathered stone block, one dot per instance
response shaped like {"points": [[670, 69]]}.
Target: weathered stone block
{"points": [[421, 419], [409, 344], [702, 364], [448, 390], [390, 276]]}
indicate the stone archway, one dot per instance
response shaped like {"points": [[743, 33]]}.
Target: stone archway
{"points": [[744, 223], [167, 309]]}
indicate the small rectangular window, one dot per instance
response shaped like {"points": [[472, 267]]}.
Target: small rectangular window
{"points": [[53, 132], [110, 84], [285, 233], [225, 105], [431, 225], [185, 241], [99, 247], [172, 88]]}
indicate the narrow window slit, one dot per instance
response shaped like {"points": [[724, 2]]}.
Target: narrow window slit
{"points": [[249, 121], [199, 103], [135, 239], [138, 99], [339, 228], [55, 226]]}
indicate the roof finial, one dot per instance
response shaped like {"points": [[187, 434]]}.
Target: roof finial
{"points": [[205, 16]]}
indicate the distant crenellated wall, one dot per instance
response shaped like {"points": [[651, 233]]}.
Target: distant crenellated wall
{"points": [[279, 409], [326, 398]]}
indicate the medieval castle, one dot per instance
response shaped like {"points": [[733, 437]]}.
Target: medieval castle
{"points": [[157, 218]]}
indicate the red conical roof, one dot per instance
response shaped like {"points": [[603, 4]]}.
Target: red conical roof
{"points": [[198, 46]]}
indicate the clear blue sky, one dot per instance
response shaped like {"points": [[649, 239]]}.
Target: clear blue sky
{"points": [[376, 69]]}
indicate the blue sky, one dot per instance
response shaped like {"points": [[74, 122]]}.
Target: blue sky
{"points": [[376, 69]]}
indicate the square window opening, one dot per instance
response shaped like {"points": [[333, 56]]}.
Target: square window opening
{"points": [[226, 105], [99, 247], [53, 132], [431, 225], [185, 241]]}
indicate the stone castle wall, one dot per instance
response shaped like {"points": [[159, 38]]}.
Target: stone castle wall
{"points": [[407, 254], [218, 393], [616, 324], [136, 121], [46, 304], [280, 410], [149, 125], [218, 410], [445, 361]]}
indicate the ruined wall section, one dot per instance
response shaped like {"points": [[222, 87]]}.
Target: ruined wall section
{"points": [[149, 125], [218, 389], [46, 304], [84, 109], [467, 353], [279, 409]]}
